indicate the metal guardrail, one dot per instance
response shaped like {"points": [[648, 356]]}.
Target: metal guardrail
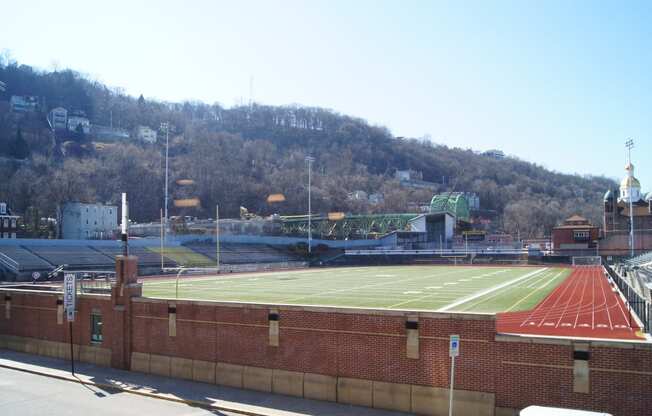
{"points": [[93, 281], [641, 307]]}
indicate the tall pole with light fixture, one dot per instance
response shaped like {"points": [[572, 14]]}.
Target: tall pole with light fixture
{"points": [[309, 159], [217, 236], [630, 144], [166, 127]]}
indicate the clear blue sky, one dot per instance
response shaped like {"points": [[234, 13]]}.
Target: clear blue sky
{"points": [[561, 83]]}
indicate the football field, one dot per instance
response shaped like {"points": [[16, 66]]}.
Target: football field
{"points": [[433, 288]]}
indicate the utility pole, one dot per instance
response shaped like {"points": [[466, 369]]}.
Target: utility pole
{"points": [[309, 159], [630, 144]]}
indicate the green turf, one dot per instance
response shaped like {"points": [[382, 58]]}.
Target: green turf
{"points": [[395, 287]]}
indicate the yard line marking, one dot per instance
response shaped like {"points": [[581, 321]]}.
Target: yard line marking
{"points": [[501, 292], [393, 282], [534, 291], [490, 290]]}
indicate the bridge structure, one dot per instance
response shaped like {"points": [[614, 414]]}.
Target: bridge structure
{"points": [[346, 226]]}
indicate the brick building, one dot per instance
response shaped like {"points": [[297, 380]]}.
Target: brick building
{"points": [[617, 217], [8, 226], [575, 236]]}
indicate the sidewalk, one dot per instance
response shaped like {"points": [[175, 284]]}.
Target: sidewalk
{"points": [[193, 393]]}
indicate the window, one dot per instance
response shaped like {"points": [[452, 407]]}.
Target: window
{"points": [[6, 223], [96, 326], [13, 235], [5, 235], [13, 223]]}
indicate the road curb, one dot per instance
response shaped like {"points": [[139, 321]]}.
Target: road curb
{"points": [[190, 402]]}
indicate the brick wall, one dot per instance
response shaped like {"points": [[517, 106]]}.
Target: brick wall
{"points": [[358, 344]]}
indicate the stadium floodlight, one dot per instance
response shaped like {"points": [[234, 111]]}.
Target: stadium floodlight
{"points": [[629, 144], [309, 160], [166, 128]]}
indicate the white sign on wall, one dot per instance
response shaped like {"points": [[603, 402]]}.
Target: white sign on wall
{"points": [[69, 295]]}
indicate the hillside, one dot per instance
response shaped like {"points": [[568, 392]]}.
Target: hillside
{"points": [[238, 156]]}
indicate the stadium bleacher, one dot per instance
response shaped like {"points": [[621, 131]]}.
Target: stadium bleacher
{"points": [[644, 259], [26, 260], [234, 253], [73, 256], [19, 259], [146, 258]]}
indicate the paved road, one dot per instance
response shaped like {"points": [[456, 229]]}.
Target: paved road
{"points": [[28, 394]]}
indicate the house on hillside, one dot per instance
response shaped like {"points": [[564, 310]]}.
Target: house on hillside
{"points": [[76, 119], [21, 104], [146, 134], [413, 179], [494, 154], [58, 118]]}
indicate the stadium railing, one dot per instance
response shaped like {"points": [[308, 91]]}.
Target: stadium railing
{"points": [[641, 307]]}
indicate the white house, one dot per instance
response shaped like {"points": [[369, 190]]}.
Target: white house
{"points": [[146, 134], [58, 118], [76, 121]]}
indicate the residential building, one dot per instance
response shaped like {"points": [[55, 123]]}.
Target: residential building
{"points": [[8, 226], [81, 221], [146, 134], [413, 179], [76, 119], [494, 154], [58, 118], [358, 195], [23, 104]]}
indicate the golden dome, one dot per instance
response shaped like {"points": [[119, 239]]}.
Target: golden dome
{"points": [[630, 182]]}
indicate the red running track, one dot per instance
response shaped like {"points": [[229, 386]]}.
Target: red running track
{"points": [[584, 305]]}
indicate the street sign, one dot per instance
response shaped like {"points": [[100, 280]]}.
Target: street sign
{"points": [[454, 349], [69, 295]]}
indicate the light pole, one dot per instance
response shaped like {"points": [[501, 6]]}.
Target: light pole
{"points": [[630, 144], [309, 159], [217, 236], [166, 127]]}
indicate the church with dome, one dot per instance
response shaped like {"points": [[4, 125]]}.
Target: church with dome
{"points": [[616, 226]]}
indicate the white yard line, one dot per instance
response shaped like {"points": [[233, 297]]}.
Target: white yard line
{"points": [[490, 290], [393, 282], [534, 291]]}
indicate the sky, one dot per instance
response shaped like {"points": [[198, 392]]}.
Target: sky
{"points": [[559, 83]]}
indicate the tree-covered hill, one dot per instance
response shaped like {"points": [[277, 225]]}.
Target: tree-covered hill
{"points": [[238, 156]]}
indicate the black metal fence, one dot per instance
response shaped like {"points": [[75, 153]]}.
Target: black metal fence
{"points": [[641, 307]]}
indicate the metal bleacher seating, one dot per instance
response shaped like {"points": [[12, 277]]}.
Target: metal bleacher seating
{"points": [[234, 253], [73, 256], [25, 260], [145, 257], [644, 259]]}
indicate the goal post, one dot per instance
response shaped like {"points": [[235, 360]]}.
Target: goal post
{"points": [[587, 260]]}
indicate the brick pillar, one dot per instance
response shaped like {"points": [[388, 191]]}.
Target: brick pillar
{"points": [[125, 288]]}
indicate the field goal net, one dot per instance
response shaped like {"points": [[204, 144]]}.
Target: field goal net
{"points": [[587, 260]]}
